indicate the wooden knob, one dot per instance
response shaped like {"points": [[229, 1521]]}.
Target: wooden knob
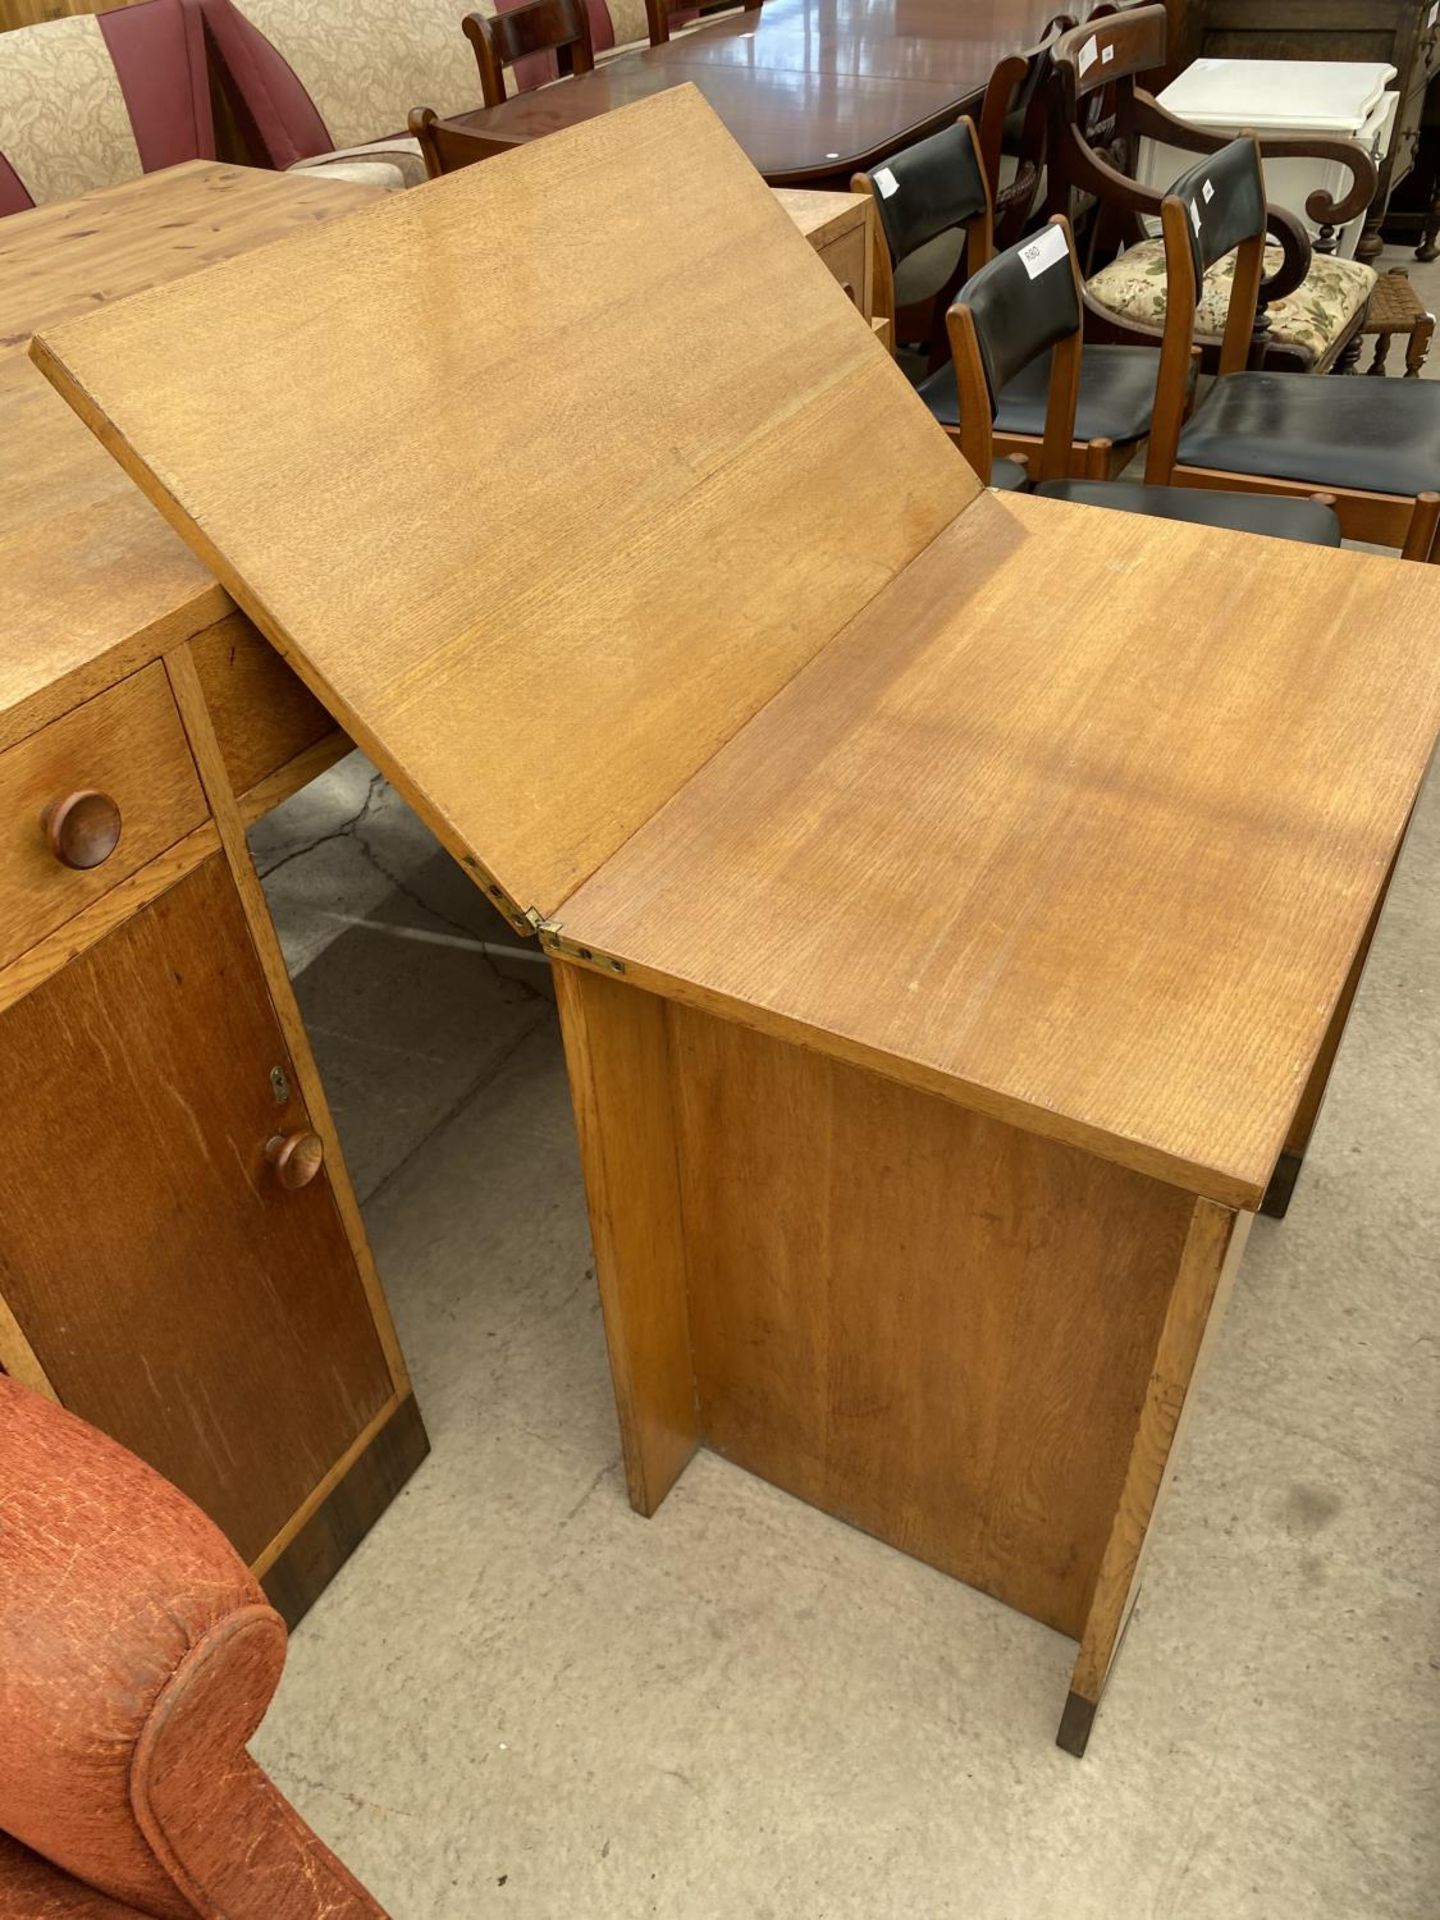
{"points": [[83, 829], [296, 1158]]}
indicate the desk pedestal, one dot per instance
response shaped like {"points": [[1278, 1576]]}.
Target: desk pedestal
{"points": [[971, 1342]]}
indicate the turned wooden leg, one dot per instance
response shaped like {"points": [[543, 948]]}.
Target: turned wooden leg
{"points": [[1370, 244], [1429, 247], [1206, 1272], [1382, 353]]}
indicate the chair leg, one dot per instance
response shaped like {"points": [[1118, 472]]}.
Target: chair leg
{"points": [[1419, 346], [1382, 352], [1097, 459], [1424, 522]]}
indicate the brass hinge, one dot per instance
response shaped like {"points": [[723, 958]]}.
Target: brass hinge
{"points": [[527, 920], [555, 941]]}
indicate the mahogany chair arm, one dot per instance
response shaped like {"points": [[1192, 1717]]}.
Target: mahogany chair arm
{"points": [[1093, 174], [1150, 120], [137, 1657], [1287, 231], [1088, 171]]}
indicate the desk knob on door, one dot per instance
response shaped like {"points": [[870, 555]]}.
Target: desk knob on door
{"points": [[296, 1158], [83, 829]]}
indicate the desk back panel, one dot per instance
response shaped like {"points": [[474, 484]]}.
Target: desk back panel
{"points": [[547, 475]]}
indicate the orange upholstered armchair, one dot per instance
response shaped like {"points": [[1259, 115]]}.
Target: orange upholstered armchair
{"points": [[137, 1656]]}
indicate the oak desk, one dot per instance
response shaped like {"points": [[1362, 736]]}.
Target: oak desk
{"points": [[155, 1274], [952, 896], [218, 1313], [813, 90]]}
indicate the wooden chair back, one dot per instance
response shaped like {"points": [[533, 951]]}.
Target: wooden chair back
{"points": [[1014, 121], [446, 147], [1109, 50], [657, 15], [559, 27], [1215, 208], [1023, 303], [934, 187]]}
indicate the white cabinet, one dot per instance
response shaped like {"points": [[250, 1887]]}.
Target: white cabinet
{"points": [[1337, 98]]}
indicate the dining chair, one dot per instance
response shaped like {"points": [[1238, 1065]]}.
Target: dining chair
{"points": [[1373, 444], [559, 28], [324, 85], [1312, 303], [939, 186], [663, 18], [94, 99], [1014, 127], [1025, 305]]}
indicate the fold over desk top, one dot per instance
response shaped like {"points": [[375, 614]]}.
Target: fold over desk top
{"points": [[577, 489]]}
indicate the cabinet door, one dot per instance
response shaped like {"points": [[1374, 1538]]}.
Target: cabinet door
{"points": [[175, 1291]]}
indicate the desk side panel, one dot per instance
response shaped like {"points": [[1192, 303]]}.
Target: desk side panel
{"points": [[934, 1326]]}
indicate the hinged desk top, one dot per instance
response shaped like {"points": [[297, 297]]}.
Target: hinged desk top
{"points": [[545, 473], [580, 493]]}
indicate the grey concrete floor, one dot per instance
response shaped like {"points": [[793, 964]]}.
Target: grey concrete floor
{"points": [[520, 1699]]}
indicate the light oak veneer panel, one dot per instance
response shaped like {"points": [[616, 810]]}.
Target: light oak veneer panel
{"points": [[1081, 822], [264, 717], [92, 581], [145, 232], [935, 1326], [546, 476]]}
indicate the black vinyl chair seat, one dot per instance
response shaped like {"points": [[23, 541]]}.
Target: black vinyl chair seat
{"points": [[1380, 435], [1304, 520], [1008, 476], [1117, 395]]}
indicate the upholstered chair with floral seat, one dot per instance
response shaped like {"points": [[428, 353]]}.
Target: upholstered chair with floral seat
{"points": [[1315, 322], [95, 99]]}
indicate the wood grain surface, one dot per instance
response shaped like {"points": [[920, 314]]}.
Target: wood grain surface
{"points": [[263, 716], [217, 1327], [91, 579], [812, 90], [265, 944], [617, 1052], [539, 572], [105, 913], [1080, 822], [932, 1325], [76, 255], [1209, 1263]]}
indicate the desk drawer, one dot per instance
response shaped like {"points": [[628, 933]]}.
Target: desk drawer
{"points": [[263, 715], [126, 749]]}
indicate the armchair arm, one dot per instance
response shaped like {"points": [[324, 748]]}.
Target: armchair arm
{"points": [[1094, 174], [137, 1656], [1152, 121], [1288, 233]]}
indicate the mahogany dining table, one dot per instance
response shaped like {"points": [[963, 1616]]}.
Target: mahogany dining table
{"points": [[812, 90]]}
